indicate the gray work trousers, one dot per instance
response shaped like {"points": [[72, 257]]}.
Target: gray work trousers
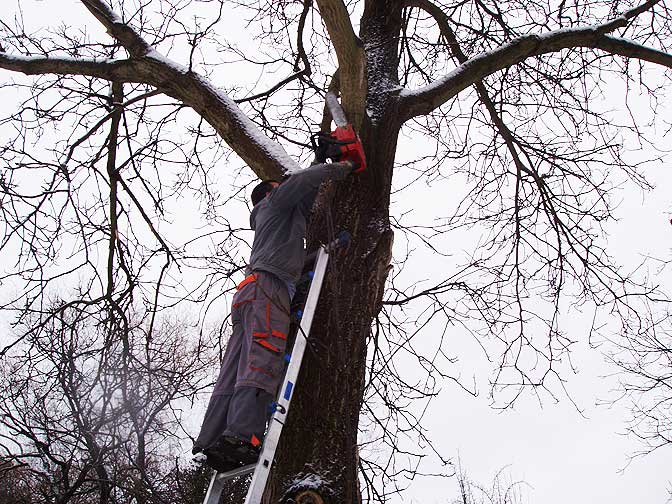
{"points": [[253, 363]]}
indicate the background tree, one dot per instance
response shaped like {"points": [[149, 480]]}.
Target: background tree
{"points": [[502, 490], [508, 101], [645, 359], [91, 419], [16, 485]]}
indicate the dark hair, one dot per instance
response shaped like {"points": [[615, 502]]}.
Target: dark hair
{"points": [[260, 190]]}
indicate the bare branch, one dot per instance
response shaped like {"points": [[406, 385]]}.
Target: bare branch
{"points": [[424, 100], [629, 49], [112, 69], [275, 88], [112, 142], [122, 32], [623, 20], [266, 158], [300, 48]]}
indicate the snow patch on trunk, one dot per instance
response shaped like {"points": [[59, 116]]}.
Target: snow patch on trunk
{"points": [[320, 484]]}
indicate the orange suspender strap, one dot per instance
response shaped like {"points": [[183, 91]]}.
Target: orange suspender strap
{"points": [[248, 279]]}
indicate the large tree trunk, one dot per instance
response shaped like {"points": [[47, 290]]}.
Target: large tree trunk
{"points": [[318, 449], [317, 459]]}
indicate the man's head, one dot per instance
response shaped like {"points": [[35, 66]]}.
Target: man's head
{"points": [[262, 189]]}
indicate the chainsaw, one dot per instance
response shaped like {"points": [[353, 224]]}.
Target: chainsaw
{"points": [[342, 144]]}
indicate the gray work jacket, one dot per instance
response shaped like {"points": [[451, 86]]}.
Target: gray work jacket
{"points": [[279, 221]]}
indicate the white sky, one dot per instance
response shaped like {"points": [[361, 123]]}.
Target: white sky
{"points": [[563, 457]]}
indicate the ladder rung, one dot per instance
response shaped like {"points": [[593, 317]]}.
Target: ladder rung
{"points": [[239, 471], [218, 479]]}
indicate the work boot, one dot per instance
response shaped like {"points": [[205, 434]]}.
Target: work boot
{"points": [[216, 459], [243, 452]]}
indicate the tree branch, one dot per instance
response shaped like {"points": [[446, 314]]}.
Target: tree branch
{"points": [[629, 49], [120, 31], [350, 54], [622, 21], [447, 32], [109, 69], [424, 100], [112, 142], [300, 49], [266, 158], [274, 88]]}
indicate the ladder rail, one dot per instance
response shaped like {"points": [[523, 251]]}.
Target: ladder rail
{"points": [[218, 479]]}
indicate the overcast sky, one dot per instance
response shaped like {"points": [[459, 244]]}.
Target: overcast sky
{"points": [[563, 456]]}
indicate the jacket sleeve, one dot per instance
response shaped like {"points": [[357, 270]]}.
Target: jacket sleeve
{"points": [[302, 185]]}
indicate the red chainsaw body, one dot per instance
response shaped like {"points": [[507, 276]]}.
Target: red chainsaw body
{"points": [[352, 149]]}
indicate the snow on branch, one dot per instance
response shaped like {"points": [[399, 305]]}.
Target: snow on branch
{"points": [[426, 99], [108, 69], [266, 157], [122, 32]]}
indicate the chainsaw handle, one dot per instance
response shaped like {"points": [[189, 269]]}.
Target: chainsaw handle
{"points": [[326, 138]]}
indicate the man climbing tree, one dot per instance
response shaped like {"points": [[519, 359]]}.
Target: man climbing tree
{"points": [[251, 372], [505, 97]]}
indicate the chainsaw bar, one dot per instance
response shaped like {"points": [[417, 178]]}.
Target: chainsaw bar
{"points": [[344, 135], [337, 113]]}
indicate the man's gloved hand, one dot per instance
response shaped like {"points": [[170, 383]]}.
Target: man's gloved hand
{"points": [[356, 165], [333, 152], [327, 150], [328, 146]]}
